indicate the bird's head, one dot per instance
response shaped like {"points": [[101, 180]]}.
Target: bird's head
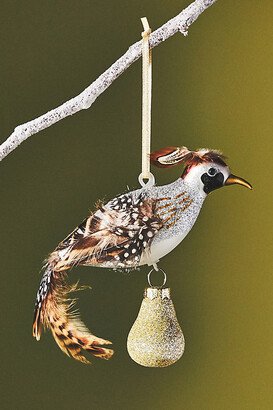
{"points": [[204, 169]]}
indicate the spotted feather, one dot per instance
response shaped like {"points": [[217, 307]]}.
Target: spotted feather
{"points": [[115, 235]]}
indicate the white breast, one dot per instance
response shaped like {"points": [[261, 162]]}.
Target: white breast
{"points": [[160, 249]]}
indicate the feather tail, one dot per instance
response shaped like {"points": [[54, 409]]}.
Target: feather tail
{"points": [[53, 310]]}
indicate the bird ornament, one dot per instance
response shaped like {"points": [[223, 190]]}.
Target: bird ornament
{"points": [[133, 229]]}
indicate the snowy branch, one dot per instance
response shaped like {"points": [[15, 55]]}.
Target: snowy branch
{"points": [[87, 97]]}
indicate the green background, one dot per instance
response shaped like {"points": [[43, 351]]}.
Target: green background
{"points": [[210, 89]]}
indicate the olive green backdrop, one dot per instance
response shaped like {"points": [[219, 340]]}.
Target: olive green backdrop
{"points": [[210, 89]]}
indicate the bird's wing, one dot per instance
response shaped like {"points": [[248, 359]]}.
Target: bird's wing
{"points": [[114, 236]]}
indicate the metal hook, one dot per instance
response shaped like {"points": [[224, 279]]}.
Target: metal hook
{"points": [[164, 280]]}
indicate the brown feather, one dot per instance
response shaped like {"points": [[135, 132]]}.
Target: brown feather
{"points": [[69, 332], [163, 152], [171, 156]]}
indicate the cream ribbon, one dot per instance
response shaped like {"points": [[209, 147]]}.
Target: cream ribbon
{"points": [[146, 106]]}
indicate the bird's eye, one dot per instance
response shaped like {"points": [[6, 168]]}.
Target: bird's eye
{"points": [[212, 171]]}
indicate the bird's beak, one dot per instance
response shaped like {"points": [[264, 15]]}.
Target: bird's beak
{"points": [[232, 179]]}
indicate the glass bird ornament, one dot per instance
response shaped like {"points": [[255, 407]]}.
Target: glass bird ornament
{"points": [[134, 229]]}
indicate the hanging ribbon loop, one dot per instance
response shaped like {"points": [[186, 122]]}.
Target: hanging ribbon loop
{"points": [[146, 106]]}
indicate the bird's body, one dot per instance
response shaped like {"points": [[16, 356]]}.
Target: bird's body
{"points": [[135, 228]]}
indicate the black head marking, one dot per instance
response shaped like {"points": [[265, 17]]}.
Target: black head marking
{"points": [[212, 181]]}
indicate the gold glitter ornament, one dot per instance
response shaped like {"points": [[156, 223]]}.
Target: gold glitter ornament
{"points": [[156, 338]]}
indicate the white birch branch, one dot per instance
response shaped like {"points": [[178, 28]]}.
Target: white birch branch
{"points": [[86, 98]]}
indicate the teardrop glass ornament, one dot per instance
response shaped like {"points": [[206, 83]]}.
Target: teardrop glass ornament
{"points": [[156, 338]]}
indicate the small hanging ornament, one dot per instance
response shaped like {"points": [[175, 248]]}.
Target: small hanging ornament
{"points": [[156, 338]]}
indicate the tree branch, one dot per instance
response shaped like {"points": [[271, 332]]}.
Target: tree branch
{"points": [[87, 97]]}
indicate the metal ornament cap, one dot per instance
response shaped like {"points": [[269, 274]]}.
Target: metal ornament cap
{"points": [[156, 338]]}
